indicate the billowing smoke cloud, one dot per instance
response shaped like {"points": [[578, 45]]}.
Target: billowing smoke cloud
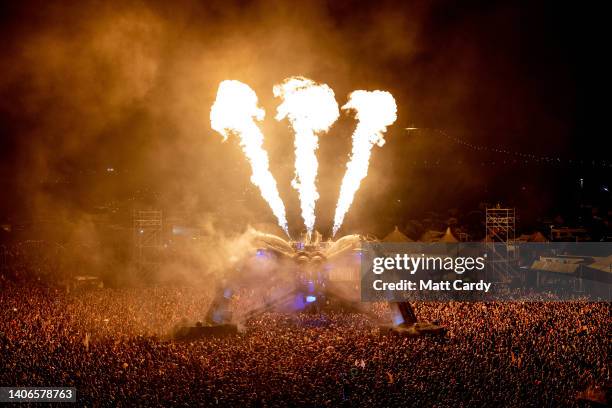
{"points": [[105, 108]]}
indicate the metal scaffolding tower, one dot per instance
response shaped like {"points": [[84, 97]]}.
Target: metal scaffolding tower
{"points": [[501, 223], [147, 242], [500, 241]]}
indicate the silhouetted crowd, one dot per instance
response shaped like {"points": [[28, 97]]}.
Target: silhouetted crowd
{"points": [[112, 345]]}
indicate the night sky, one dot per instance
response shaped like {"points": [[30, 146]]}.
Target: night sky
{"points": [[91, 86]]}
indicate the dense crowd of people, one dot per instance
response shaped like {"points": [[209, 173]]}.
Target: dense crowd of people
{"points": [[113, 346]]}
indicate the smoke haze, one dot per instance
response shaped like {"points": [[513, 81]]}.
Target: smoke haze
{"points": [[105, 107]]}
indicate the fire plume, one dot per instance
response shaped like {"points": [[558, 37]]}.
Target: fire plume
{"points": [[374, 111], [311, 109], [236, 111]]}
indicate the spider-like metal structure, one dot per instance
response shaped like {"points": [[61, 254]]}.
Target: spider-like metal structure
{"points": [[310, 260]]}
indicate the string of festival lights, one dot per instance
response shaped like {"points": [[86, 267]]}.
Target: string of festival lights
{"points": [[523, 156]]}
